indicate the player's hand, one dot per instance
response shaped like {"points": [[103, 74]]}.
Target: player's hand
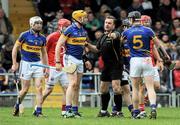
{"points": [[88, 65], [58, 66], [46, 72], [160, 65], [14, 67]]}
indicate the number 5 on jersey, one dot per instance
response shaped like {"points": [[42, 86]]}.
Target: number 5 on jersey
{"points": [[138, 43]]}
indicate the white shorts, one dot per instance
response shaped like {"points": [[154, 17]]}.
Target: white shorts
{"points": [[57, 76], [156, 75], [27, 72], [141, 67], [68, 60]]}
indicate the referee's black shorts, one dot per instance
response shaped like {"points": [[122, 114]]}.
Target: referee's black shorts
{"points": [[112, 71]]}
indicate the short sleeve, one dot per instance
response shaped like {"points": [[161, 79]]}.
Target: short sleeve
{"points": [[21, 38], [151, 33]]}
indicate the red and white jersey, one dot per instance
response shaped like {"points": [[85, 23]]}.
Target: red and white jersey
{"points": [[51, 46]]}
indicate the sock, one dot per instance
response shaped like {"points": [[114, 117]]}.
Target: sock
{"points": [[114, 108], [153, 106], [75, 109], [118, 102], [105, 100], [17, 106], [68, 107], [39, 110], [63, 108], [130, 108], [141, 107]]}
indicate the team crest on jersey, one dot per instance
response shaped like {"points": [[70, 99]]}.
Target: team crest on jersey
{"points": [[35, 42]]}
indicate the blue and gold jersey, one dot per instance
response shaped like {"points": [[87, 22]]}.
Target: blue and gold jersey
{"points": [[76, 38], [126, 55], [31, 45], [139, 40]]}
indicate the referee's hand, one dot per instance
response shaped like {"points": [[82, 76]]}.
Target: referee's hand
{"points": [[112, 35]]}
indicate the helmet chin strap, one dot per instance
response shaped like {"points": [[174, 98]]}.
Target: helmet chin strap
{"points": [[78, 22], [36, 31]]}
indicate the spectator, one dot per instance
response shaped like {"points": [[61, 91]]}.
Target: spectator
{"points": [[164, 12], [173, 26], [53, 25], [122, 15], [47, 9], [176, 10], [159, 28], [136, 6], [6, 56], [176, 34], [68, 6], [3, 80], [92, 25], [6, 29]]}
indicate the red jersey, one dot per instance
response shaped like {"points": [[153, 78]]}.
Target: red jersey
{"points": [[51, 46]]}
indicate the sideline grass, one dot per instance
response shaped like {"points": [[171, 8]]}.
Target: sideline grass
{"points": [[166, 116]]}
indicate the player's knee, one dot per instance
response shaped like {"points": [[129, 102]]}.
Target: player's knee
{"points": [[117, 90], [126, 91], [39, 88], [75, 87]]}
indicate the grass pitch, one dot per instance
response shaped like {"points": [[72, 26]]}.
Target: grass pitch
{"points": [[166, 116]]}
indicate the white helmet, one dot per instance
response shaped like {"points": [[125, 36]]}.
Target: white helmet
{"points": [[34, 19]]}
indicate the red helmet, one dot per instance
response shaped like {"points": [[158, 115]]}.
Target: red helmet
{"points": [[63, 23], [146, 20]]}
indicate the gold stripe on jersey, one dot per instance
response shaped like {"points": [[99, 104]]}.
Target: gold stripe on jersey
{"points": [[29, 48], [18, 42], [76, 41], [65, 37]]}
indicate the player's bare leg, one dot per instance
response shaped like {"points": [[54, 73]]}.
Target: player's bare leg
{"points": [[22, 94], [135, 95], [149, 82], [76, 95], [39, 97], [127, 97]]}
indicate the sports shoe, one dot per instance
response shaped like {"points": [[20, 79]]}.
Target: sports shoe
{"points": [[69, 114], [117, 114], [153, 114], [38, 114], [135, 115], [142, 115], [77, 115], [16, 110], [106, 114]]}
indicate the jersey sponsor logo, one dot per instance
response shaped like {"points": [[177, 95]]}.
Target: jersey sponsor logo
{"points": [[76, 41], [29, 48]]}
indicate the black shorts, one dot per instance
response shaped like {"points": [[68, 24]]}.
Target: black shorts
{"points": [[112, 71], [124, 82]]}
